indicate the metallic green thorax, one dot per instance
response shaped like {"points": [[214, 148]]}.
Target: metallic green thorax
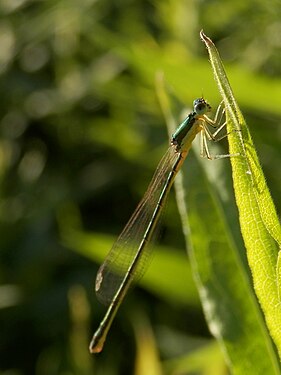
{"points": [[182, 130]]}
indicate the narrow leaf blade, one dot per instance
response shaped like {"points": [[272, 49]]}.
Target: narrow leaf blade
{"points": [[259, 223]]}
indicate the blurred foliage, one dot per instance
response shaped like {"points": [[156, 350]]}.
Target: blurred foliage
{"points": [[81, 133]]}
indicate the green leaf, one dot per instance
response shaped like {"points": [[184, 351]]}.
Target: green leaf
{"points": [[229, 303], [228, 300], [259, 223]]}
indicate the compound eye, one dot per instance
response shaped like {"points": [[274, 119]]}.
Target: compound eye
{"points": [[200, 107]]}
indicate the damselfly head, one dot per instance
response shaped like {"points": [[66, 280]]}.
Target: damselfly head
{"points": [[201, 106]]}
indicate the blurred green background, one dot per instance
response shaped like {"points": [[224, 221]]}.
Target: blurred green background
{"points": [[81, 134]]}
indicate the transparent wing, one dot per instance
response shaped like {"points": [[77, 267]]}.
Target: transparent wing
{"points": [[123, 251]]}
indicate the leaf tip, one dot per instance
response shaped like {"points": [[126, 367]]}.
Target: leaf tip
{"points": [[205, 39], [202, 35]]}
